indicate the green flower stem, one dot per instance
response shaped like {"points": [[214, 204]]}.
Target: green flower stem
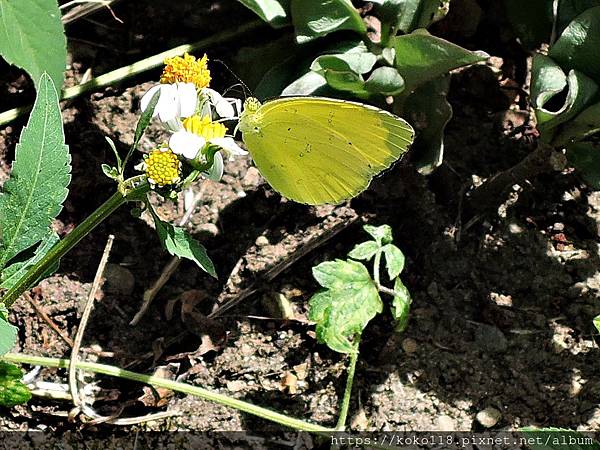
{"points": [[70, 240], [341, 424], [240, 405], [141, 66]]}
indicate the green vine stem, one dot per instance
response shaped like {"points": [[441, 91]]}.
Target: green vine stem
{"points": [[184, 388], [341, 423], [140, 66], [71, 240]]}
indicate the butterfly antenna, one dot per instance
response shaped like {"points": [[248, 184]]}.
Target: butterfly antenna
{"points": [[246, 90]]}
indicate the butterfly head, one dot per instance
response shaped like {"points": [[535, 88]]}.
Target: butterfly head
{"points": [[249, 119]]}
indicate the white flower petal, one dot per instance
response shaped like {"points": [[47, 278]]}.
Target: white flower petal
{"points": [[145, 101], [187, 98], [167, 107], [216, 171], [186, 144], [174, 125], [222, 106], [229, 145]]}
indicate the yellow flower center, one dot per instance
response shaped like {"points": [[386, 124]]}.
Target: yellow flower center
{"points": [[186, 69], [162, 167], [203, 126]]}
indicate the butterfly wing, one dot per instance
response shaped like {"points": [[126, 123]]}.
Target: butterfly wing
{"points": [[319, 150]]}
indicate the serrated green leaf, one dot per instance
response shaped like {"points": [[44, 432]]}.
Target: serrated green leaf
{"points": [[343, 310], [385, 81], [364, 251], [12, 391], [32, 38], [15, 271], [421, 57], [179, 243], [8, 332], [400, 305], [585, 157], [41, 173], [381, 234], [274, 12], [558, 439], [577, 47], [597, 323], [428, 111], [394, 260], [323, 17]]}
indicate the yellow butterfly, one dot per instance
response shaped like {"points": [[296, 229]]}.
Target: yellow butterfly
{"points": [[319, 150]]}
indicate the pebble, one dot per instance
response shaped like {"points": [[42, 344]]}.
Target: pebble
{"points": [[490, 339], [209, 229], [445, 423], [119, 280], [252, 177], [409, 345], [261, 241], [558, 226], [235, 386], [488, 417]]}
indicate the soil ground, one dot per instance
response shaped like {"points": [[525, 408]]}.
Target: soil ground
{"points": [[502, 308]]}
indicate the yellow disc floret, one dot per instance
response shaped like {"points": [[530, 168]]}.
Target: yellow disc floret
{"points": [[186, 69], [162, 167], [203, 126]]}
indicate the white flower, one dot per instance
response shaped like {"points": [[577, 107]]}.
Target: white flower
{"points": [[176, 101], [188, 145]]}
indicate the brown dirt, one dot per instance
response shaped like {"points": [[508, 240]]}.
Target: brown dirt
{"points": [[502, 311]]}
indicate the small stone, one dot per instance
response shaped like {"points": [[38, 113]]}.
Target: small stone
{"points": [[445, 423], [490, 339], [489, 417], [209, 229], [119, 280], [409, 345], [261, 241], [235, 386], [252, 177], [359, 421], [558, 226], [515, 228]]}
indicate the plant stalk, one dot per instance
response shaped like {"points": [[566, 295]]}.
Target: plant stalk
{"points": [[105, 369], [69, 241], [341, 423]]}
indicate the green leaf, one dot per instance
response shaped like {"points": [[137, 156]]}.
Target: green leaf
{"points": [[577, 47], [364, 251], [349, 302], [408, 15], [110, 172], [558, 439], [113, 147], [597, 323], [585, 157], [32, 38], [274, 12], [548, 83], [308, 84], [428, 111], [179, 243], [8, 332], [394, 260], [12, 391], [381, 234], [323, 17], [531, 20], [569, 9], [145, 119], [37, 187], [386, 81], [15, 271], [358, 62], [421, 57], [400, 305], [583, 125]]}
